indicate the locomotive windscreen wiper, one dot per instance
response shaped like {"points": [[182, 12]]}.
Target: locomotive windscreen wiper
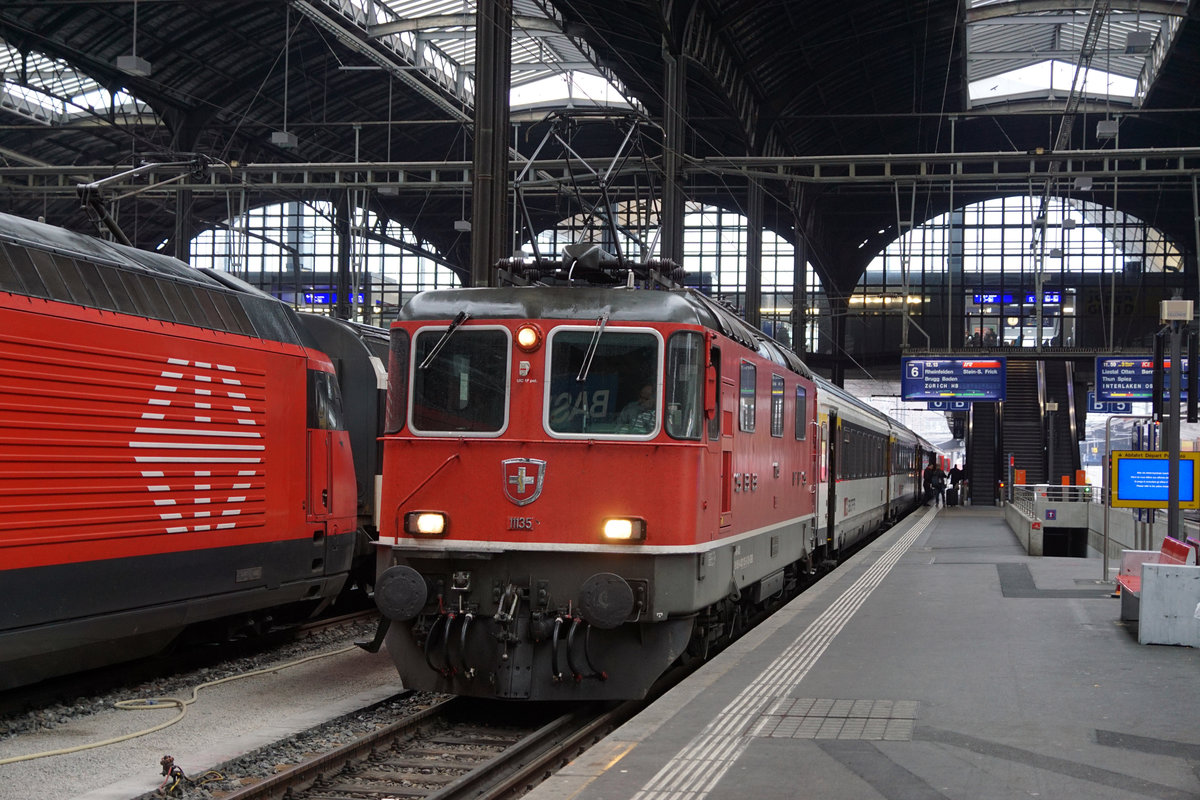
{"points": [[459, 319], [592, 346]]}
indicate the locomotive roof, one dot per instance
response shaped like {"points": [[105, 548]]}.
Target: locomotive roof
{"points": [[45, 261], [587, 304], [41, 236]]}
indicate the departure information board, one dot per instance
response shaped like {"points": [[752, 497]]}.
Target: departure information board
{"points": [[1132, 378], [975, 379]]}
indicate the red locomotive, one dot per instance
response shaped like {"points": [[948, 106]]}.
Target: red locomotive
{"points": [[174, 451], [583, 485]]}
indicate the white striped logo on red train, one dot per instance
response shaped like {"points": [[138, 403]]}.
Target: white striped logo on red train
{"points": [[206, 426]]}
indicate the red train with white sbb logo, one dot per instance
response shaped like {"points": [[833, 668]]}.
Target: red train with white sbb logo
{"points": [[173, 452], [583, 485]]}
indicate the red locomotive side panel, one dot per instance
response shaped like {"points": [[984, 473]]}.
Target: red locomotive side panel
{"points": [[129, 437], [768, 444]]}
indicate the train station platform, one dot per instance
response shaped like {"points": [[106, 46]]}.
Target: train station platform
{"points": [[939, 662]]}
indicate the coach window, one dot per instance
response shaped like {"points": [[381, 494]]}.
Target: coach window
{"points": [[746, 398], [685, 386], [461, 389], [777, 406], [604, 384], [801, 413]]}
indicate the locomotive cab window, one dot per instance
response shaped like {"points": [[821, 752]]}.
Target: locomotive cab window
{"points": [[714, 422], [460, 381], [604, 384], [397, 392], [685, 386], [324, 402]]}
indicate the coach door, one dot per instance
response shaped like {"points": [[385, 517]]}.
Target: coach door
{"points": [[889, 473], [830, 434]]}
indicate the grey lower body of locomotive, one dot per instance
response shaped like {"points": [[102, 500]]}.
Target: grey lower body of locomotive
{"points": [[109, 611], [549, 626]]}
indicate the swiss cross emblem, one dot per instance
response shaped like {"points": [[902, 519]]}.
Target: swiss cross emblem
{"points": [[523, 479]]}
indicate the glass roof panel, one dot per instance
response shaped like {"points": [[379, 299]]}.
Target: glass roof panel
{"points": [[52, 92], [548, 66], [1028, 50], [1053, 79]]}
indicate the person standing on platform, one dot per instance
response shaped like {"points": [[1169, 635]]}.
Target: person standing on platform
{"points": [[956, 476], [937, 482]]}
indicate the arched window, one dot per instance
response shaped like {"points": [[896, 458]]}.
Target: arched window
{"points": [[290, 250], [1015, 272]]}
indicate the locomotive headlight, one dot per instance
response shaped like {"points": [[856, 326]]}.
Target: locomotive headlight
{"points": [[425, 523], [529, 338], [625, 529]]}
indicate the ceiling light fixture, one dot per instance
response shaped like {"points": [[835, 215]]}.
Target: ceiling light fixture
{"points": [[131, 64], [285, 139]]}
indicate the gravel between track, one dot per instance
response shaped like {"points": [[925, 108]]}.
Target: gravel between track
{"points": [[226, 722]]}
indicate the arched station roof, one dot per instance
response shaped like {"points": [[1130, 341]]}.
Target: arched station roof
{"points": [[854, 88]]}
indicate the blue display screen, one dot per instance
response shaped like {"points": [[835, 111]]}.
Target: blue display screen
{"points": [[1008, 298], [1140, 480]]}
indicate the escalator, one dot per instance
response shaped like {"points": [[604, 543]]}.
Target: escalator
{"points": [[1062, 433], [983, 465], [1024, 432]]}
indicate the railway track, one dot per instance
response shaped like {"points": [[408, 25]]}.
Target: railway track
{"points": [[457, 748]]}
